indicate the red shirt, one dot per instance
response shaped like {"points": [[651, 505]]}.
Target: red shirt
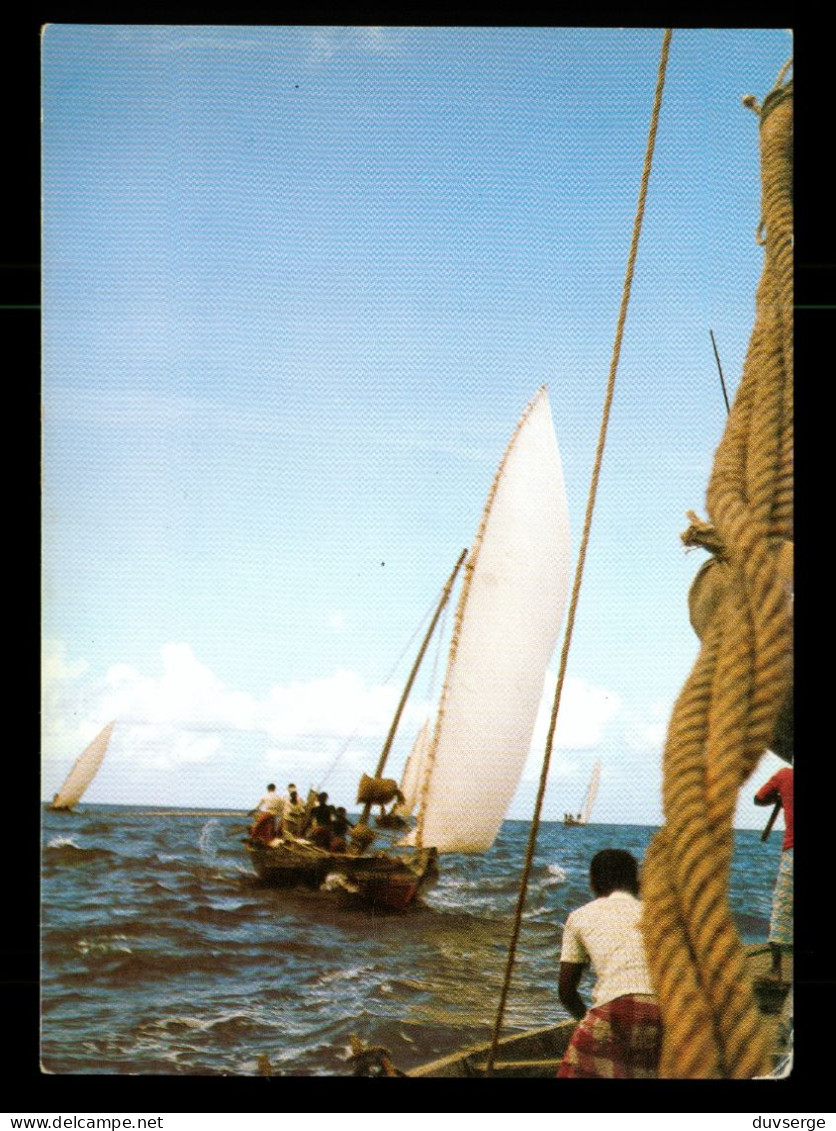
{"points": [[779, 787]]}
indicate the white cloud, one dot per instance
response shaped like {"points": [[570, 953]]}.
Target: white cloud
{"points": [[328, 41], [55, 666], [70, 710], [341, 705], [187, 715], [647, 732], [330, 729], [187, 695], [584, 714]]}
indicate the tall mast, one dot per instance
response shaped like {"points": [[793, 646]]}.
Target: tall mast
{"points": [[384, 754]]}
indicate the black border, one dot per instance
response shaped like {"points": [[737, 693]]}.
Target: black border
{"points": [[815, 1001]]}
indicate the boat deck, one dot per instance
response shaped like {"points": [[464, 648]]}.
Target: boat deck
{"points": [[538, 1052]]}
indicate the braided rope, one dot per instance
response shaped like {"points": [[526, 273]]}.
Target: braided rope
{"points": [[570, 619], [726, 714]]}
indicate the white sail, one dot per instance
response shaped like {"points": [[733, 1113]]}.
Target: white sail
{"points": [[591, 792], [413, 771], [85, 769], [506, 627]]}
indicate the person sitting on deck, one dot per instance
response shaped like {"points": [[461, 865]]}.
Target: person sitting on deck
{"points": [[268, 814], [293, 814], [339, 827], [319, 823], [779, 789], [621, 1036]]}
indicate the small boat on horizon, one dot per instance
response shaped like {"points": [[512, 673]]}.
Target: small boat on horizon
{"points": [[507, 620], [588, 802], [85, 768]]}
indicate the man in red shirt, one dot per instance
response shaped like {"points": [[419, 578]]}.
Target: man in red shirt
{"points": [[779, 788]]}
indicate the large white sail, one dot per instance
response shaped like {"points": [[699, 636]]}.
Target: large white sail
{"points": [[591, 792], [507, 622], [85, 769]]}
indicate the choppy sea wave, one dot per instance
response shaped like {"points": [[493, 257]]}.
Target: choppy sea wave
{"points": [[162, 954]]}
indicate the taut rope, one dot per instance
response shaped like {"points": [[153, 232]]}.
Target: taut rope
{"points": [[570, 620], [728, 710]]}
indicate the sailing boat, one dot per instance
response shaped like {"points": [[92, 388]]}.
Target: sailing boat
{"points": [[507, 620], [84, 770], [588, 801]]}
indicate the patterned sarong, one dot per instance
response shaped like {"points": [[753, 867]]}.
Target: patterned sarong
{"points": [[780, 925], [621, 1039]]}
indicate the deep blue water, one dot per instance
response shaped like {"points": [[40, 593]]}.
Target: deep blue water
{"points": [[162, 953]]}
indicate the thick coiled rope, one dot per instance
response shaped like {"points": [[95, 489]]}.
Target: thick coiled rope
{"points": [[727, 712]]}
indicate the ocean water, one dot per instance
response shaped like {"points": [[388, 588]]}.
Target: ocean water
{"points": [[163, 954]]}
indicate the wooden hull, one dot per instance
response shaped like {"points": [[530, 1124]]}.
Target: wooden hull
{"points": [[537, 1052], [397, 887], [381, 881]]}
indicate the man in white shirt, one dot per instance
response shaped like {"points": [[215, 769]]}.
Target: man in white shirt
{"points": [[621, 1035], [268, 814]]}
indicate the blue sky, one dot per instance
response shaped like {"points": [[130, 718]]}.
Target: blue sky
{"points": [[299, 284]]}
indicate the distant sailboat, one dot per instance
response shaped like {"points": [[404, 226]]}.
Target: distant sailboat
{"points": [[398, 817], [588, 801], [85, 769]]}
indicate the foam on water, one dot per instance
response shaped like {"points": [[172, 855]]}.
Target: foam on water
{"points": [[557, 875]]}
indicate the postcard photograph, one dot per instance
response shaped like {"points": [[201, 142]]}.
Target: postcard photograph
{"points": [[417, 552]]}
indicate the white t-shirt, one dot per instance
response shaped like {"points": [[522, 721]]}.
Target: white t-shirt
{"points": [[270, 803], [606, 932]]}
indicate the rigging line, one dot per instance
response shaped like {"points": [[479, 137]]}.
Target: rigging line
{"points": [[720, 371], [625, 298], [341, 753]]}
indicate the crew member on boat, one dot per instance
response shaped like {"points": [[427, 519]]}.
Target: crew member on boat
{"points": [[320, 821], [621, 1035], [340, 825], [779, 789], [293, 813], [268, 813]]}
